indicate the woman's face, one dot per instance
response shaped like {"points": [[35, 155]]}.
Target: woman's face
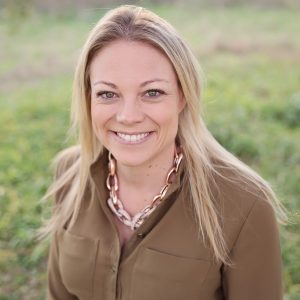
{"points": [[135, 102]]}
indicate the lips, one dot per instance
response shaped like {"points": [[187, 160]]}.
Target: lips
{"points": [[132, 138]]}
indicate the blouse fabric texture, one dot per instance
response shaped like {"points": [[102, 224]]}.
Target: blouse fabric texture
{"points": [[166, 259]]}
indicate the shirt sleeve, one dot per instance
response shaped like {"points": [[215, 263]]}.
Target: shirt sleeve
{"points": [[56, 289], [256, 271]]}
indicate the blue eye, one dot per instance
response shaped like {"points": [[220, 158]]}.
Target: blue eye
{"points": [[154, 93], [106, 95]]}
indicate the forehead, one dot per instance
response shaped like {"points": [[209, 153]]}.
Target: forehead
{"points": [[124, 59]]}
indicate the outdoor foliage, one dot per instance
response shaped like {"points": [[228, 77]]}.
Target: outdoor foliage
{"points": [[251, 93]]}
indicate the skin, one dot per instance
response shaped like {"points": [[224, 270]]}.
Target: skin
{"points": [[134, 91]]}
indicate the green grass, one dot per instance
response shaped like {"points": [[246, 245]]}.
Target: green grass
{"points": [[251, 62]]}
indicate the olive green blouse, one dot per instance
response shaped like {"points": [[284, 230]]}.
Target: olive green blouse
{"points": [[166, 259]]}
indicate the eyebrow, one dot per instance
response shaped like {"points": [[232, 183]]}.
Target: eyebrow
{"points": [[141, 85]]}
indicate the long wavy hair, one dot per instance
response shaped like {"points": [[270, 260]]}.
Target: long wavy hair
{"points": [[204, 156]]}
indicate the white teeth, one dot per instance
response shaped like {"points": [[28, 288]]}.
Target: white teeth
{"points": [[132, 137]]}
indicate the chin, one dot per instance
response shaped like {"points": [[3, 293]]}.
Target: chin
{"points": [[132, 161]]}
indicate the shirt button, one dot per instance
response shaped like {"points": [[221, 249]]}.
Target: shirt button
{"points": [[141, 235], [114, 269]]}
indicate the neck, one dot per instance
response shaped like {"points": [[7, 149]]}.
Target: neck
{"points": [[146, 179]]}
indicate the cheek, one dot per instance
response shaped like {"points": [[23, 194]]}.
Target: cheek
{"points": [[94, 117], [95, 110], [99, 114], [98, 119], [167, 120]]}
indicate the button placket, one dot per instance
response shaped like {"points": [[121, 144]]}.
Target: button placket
{"points": [[141, 235]]}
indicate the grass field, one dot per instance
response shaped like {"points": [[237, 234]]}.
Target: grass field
{"points": [[251, 62]]}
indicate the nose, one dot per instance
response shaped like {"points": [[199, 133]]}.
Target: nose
{"points": [[130, 112]]}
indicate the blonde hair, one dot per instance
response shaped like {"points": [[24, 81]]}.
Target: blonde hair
{"points": [[204, 156]]}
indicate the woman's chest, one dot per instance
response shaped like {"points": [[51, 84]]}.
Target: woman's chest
{"points": [[94, 270], [124, 232]]}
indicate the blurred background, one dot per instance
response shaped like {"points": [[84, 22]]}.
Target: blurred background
{"points": [[250, 55]]}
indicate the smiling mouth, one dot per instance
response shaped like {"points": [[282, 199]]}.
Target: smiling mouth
{"points": [[133, 138]]}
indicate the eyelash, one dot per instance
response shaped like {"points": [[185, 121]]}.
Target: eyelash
{"points": [[160, 92], [102, 93]]}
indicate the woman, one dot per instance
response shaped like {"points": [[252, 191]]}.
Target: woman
{"points": [[149, 205]]}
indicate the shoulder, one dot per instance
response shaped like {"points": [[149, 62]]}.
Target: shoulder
{"points": [[241, 201], [234, 186], [65, 160]]}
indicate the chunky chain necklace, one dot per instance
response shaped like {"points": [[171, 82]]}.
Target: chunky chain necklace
{"points": [[116, 205]]}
